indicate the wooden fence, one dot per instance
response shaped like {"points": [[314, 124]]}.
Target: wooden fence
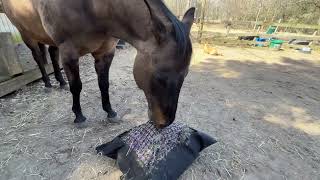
{"points": [[13, 74], [1, 8], [7, 26]]}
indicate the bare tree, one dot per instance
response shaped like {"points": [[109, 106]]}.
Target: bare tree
{"points": [[200, 32], [290, 11]]}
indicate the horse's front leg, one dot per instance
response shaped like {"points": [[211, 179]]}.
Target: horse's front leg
{"points": [[102, 66], [70, 61]]}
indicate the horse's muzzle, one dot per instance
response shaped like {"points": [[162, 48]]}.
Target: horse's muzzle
{"points": [[160, 120]]}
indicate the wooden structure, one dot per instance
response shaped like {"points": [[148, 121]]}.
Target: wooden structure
{"points": [[1, 8], [16, 83], [297, 26], [314, 28], [12, 75], [9, 65]]}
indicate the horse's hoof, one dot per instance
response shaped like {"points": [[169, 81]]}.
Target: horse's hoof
{"points": [[48, 85], [81, 125], [80, 119], [112, 114], [47, 90], [113, 117], [64, 87], [63, 83]]}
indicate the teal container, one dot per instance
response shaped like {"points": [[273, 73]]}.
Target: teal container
{"points": [[276, 44], [271, 29]]}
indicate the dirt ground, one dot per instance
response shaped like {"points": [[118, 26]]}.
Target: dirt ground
{"points": [[261, 105]]}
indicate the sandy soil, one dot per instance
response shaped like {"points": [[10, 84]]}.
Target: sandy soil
{"points": [[261, 105]]}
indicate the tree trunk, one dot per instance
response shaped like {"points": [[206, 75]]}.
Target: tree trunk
{"points": [[177, 7], [199, 10], [257, 17], [200, 32], [273, 17], [188, 4]]}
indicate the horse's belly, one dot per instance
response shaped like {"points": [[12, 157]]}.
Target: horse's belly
{"points": [[25, 17]]}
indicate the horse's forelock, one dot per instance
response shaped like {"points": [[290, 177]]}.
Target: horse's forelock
{"points": [[180, 33]]}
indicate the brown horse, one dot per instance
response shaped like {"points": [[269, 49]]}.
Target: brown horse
{"points": [[78, 27]]}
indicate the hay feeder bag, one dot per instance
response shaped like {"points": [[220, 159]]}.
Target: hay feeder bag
{"points": [[148, 153]]}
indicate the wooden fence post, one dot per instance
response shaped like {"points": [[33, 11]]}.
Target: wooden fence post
{"points": [[257, 16], [9, 64], [277, 28], [1, 7], [200, 32]]}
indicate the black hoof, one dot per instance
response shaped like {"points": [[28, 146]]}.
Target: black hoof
{"points": [[48, 85], [113, 117], [80, 119], [64, 87], [112, 114], [48, 90], [62, 84], [81, 125]]}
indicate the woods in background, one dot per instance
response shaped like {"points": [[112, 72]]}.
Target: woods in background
{"points": [[289, 11]]}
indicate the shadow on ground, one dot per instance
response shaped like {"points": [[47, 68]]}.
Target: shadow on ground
{"points": [[265, 115]]}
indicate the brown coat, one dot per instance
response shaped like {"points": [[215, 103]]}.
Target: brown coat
{"points": [[78, 27]]}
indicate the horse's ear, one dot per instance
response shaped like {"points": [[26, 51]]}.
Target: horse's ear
{"points": [[159, 29], [188, 19]]}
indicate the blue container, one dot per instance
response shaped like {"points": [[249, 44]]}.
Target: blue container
{"points": [[261, 40]]}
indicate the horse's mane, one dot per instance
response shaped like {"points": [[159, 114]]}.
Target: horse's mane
{"points": [[179, 31]]}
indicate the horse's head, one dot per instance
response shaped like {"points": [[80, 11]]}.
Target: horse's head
{"points": [[160, 73]]}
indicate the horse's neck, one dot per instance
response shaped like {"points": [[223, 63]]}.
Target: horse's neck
{"points": [[127, 20]]}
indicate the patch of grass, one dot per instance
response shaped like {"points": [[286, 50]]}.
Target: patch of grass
{"points": [[17, 38], [315, 48]]}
